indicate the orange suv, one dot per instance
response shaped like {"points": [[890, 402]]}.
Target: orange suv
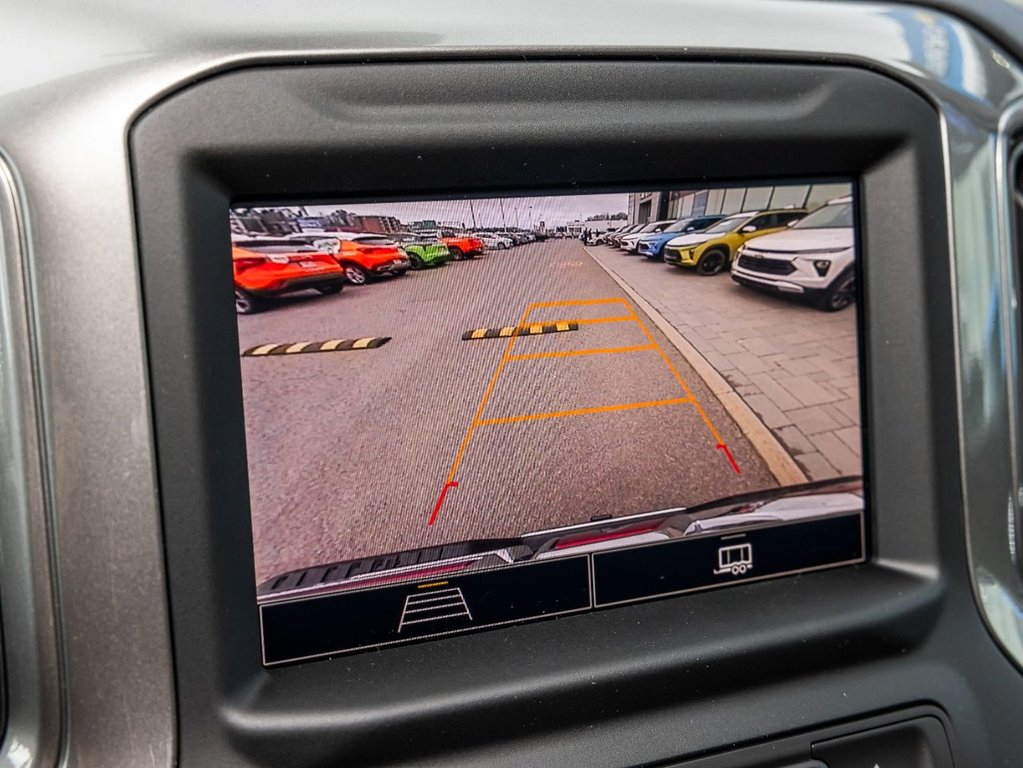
{"points": [[266, 267], [362, 256]]}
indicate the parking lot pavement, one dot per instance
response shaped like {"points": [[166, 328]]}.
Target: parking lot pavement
{"points": [[349, 451], [794, 365]]}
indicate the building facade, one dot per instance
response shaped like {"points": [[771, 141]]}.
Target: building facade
{"points": [[647, 206], [683, 203], [575, 228], [381, 225], [271, 222], [285, 221]]}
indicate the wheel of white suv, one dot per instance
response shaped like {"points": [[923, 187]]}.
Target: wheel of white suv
{"points": [[840, 294]]}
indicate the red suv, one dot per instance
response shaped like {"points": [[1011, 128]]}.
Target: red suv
{"points": [[462, 246]]}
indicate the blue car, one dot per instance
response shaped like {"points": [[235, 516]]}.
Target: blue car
{"points": [[652, 245]]}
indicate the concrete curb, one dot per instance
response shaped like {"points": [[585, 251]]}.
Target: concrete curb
{"points": [[784, 468]]}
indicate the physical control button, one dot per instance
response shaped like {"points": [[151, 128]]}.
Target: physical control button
{"points": [[919, 743]]}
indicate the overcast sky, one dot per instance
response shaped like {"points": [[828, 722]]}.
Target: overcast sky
{"points": [[517, 211]]}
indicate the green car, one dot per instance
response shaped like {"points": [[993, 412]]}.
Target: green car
{"points": [[426, 252]]}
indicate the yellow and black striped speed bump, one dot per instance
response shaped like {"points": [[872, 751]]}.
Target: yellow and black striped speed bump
{"points": [[533, 329], [334, 345]]}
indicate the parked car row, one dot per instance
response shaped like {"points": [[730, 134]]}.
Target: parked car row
{"points": [[360, 255], [651, 244], [500, 240], [786, 250], [267, 267]]}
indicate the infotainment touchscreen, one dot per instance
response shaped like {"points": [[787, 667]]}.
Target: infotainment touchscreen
{"points": [[464, 413]]}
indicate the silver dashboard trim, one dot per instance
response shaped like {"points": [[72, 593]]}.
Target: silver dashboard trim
{"points": [[33, 668], [64, 119], [997, 574]]}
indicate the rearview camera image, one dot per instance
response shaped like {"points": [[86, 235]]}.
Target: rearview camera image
{"points": [[466, 413]]}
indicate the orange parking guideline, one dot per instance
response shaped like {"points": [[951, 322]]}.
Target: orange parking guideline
{"points": [[523, 329], [577, 303], [486, 395], [595, 320], [581, 352], [583, 411], [678, 376]]}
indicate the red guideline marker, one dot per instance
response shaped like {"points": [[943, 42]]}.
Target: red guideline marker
{"points": [[443, 493], [720, 447]]}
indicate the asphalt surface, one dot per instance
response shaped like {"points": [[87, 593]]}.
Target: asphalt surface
{"points": [[349, 451]]}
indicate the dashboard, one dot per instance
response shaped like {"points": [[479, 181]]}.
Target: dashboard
{"points": [[619, 384]]}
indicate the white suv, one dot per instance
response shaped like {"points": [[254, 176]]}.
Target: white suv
{"points": [[815, 257], [493, 240]]}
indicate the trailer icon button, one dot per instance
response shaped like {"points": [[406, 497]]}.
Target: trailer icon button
{"points": [[735, 559]]}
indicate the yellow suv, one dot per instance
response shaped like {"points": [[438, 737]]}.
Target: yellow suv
{"points": [[712, 250]]}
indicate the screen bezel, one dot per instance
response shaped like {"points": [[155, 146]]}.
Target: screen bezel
{"points": [[693, 121]]}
